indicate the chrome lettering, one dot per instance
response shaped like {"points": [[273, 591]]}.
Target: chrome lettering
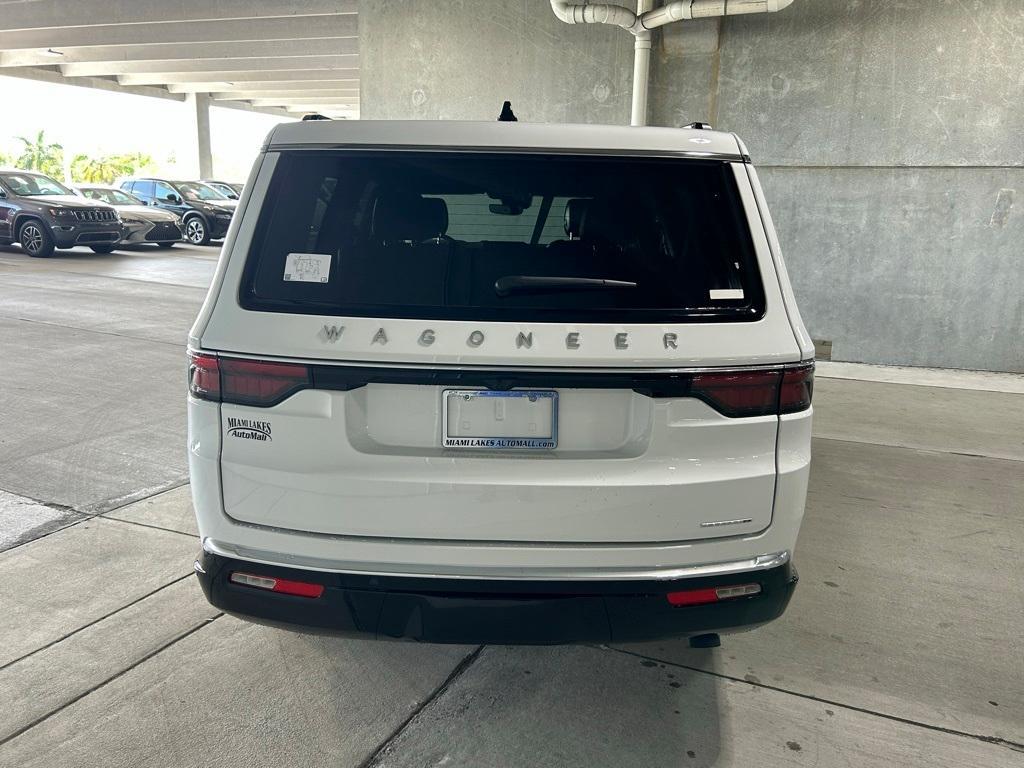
{"points": [[622, 341], [572, 341], [670, 341], [427, 338], [476, 338], [332, 332], [380, 336], [524, 340]]}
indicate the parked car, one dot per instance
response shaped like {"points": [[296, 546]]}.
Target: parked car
{"points": [[41, 214], [229, 190], [501, 383], [141, 223], [205, 212]]}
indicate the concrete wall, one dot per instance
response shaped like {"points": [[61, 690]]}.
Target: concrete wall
{"points": [[887, 135]]}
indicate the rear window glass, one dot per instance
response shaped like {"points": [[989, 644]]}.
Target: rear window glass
{"points": [[508, 236]]}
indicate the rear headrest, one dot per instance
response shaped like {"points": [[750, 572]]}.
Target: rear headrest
{"points": [[575, 215], [608, 221], [405, 216]]}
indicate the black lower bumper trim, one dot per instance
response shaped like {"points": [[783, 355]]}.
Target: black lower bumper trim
{"points": [[486, 611]]}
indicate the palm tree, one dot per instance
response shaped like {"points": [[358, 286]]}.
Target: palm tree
{"points": [[39, 155]]}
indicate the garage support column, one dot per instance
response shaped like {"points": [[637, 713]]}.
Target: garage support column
{"points": [[203, 135], [198, 106]]}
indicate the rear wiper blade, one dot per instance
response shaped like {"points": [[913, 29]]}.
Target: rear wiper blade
{"points": [[509, 284]]}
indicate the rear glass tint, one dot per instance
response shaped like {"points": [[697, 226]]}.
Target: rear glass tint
{"points": [[509, 236]]}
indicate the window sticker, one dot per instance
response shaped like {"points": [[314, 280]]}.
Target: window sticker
{"points": [[726, 293], [307, 267]]}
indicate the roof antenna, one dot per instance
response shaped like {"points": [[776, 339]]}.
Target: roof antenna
{"points": [[507, 116]]}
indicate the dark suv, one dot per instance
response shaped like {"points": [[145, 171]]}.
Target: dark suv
{"points": [[42, 214], [205, 212]]}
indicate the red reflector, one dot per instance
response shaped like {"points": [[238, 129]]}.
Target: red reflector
{"points": [[712, 594], [744, 393], [203, 376], [797, 387], [283, 586], [693, 597], [260, 382]]}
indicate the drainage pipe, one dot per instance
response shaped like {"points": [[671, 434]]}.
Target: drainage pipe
{"points": [[640, 24], [641, 67]]}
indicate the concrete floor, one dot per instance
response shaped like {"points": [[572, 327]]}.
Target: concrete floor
{"points": [[902, 645]]}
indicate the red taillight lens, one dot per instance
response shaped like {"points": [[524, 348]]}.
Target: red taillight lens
{"points": [[797, 388], [712, 594], [756, 393], [747, 393], [283, 586], [203, 376], [260, 382]]}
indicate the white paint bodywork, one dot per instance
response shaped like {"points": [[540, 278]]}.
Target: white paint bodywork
{"points": [[357, 480]]}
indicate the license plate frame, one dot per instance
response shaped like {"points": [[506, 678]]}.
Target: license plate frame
{"points": [[499, 442]]}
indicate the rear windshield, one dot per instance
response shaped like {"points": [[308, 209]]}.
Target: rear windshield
{"points": [[508, 236]]}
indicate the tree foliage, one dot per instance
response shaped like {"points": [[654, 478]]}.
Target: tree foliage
{"points": [[38, 154], [107, 169]]}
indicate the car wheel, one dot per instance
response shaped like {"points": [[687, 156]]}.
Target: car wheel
{"points": [[166, 245], [102, 248], [35, 239], [196, 231]]}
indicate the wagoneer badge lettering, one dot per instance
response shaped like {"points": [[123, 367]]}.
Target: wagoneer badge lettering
{"points": [[524, 339]]}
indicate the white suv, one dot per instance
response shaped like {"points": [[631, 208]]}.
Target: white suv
{"points": [[500, 382]]}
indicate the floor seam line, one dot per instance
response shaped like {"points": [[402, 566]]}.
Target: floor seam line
{"points": [[996, 740], [915, 448], [93, 623], [144, 525], [112, 678], [87, 516], [93, 330], [437, 693]]}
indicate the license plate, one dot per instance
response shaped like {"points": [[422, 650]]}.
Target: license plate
{"points": [[517, 419]]}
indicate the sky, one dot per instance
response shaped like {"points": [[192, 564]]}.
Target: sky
{"points": [[89, 121]]}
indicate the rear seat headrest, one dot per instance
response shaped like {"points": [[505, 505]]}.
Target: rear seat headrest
{"points": [[405, 216], [575, 216]]}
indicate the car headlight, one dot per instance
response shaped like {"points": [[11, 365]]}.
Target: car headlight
{"points": [[61, 213], [130, 220]]}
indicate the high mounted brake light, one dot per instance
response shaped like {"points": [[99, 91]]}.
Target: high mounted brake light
{"points": [[260, 383]]}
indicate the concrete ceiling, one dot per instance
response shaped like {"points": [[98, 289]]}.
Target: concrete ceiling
{"points": [[271, 56]]}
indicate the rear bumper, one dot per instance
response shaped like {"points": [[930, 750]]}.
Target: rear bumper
{"points": [[467, 610]]}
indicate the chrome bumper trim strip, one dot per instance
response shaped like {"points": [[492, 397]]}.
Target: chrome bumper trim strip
{"points": [[759, 563]]}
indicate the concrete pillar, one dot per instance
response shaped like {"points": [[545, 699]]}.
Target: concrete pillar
{"points": [[202, 107], [198, 160]]}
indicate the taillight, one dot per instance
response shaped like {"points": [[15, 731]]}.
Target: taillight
{"points": [[797, 388], [203, 376], [748, 393], [260, 383], [755, 393]]}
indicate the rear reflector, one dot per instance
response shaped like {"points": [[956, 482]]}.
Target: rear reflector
{"points": [[244, 382], [283, 586], [712, 594]]}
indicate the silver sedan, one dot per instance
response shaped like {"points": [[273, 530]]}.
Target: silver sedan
{"points": [[142, 223]]}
